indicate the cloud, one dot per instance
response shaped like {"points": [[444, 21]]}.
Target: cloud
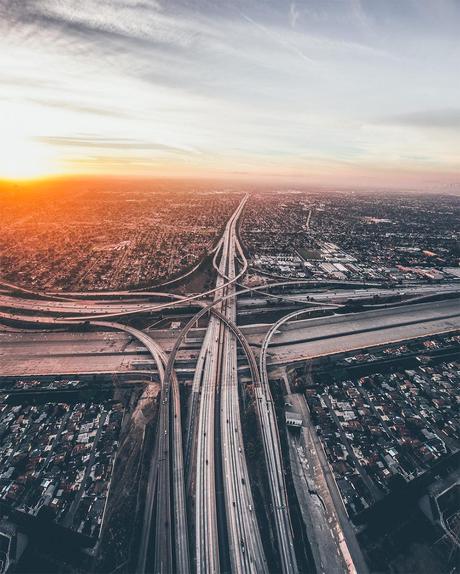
{"points": [[119, 22], [278, 39], [293, 14], [15, 81], [79, 108], [444, 119], [124, 144]]}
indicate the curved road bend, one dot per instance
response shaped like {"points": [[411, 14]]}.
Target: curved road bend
{"points": [[354, 552], [244, 541], [159, 481], [273, 454], [186, 299], [246, 551], [106, 308], [170, 555]]}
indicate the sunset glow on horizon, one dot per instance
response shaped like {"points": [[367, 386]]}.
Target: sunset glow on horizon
{"points": [[315, 91]]}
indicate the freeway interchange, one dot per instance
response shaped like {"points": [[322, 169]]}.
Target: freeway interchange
{"points": [[199, 511]]}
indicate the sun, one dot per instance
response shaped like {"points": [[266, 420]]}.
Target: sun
{"points": [[25, 159]]}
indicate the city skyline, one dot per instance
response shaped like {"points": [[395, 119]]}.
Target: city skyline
{"points": [[322, 93]]}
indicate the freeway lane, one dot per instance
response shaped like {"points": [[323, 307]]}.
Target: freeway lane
{"points": [[169, 437], [28, 353], [209, 531], [305, 339], [245, 545], [333, 561], [206, 528], [129, 309], [76, 311], [219, 423], [104, 307]]}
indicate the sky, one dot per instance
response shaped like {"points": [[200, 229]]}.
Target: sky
{"points": [[329, 92]]}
